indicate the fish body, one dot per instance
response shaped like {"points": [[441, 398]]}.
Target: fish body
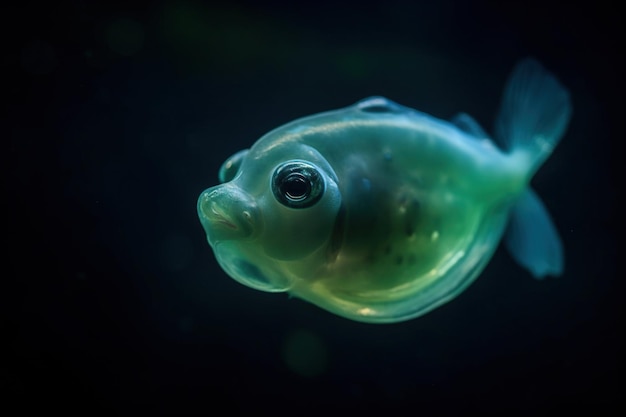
{"points": [[380, 213]]}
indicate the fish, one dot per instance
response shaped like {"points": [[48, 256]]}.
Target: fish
{"points": [[380, 213]]}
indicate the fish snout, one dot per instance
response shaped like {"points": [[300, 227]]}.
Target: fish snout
{"points": [[227, 213]]}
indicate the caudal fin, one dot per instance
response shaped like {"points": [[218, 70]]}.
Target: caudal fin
{"points": [[534, 113]]}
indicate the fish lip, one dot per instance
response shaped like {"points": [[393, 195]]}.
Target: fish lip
{"points": [[227, 224], [226, 214], [217, 218], [220, 221]]}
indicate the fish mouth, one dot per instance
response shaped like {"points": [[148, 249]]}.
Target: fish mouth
{"points": [[226, 214], [218, 218], [226, 223]]}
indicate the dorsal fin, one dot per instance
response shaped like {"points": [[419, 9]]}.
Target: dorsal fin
{"points": [[467, 124], [378, 104]]}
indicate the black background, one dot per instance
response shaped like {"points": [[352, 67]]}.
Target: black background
{"points": [[117, 115]]}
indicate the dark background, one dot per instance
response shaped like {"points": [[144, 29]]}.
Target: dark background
{"points": [[117, 115]]}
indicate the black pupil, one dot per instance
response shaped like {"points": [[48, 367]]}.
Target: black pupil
{"points": [[296, 186]]}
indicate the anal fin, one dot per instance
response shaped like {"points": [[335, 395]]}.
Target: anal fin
{"points": [[532, 239]]}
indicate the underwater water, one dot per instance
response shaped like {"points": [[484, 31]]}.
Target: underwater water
{"points": [[119, 115]]}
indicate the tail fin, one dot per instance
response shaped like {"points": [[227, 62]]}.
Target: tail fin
{"points": [[534, 113]]}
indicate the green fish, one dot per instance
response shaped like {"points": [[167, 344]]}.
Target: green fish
{"points": [[380, 213]]}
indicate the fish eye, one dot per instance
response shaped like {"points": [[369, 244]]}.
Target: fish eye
{"points": [[297, 184]]}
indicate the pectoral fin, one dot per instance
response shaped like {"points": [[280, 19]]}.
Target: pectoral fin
{"points": [[532, 239]]}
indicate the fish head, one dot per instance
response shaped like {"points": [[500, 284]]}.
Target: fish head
{"points": [[276, 207]]}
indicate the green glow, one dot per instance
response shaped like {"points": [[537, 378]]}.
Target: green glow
{"points": [[407, 209]]}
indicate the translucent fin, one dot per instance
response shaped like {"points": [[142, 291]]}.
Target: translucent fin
{"points": [[230, 167], [378, 104], [534, 113], [532, 239], [467, 124]]}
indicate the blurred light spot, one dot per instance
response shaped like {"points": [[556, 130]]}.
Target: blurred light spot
{"points": [[228, 38], [305, 353], [125, 36], [176, 253], [38, 58]]}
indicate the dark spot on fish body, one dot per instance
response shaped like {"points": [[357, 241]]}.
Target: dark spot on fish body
{"points": [[408, 209], [370, 258], [409, 228], [399, 260]]}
